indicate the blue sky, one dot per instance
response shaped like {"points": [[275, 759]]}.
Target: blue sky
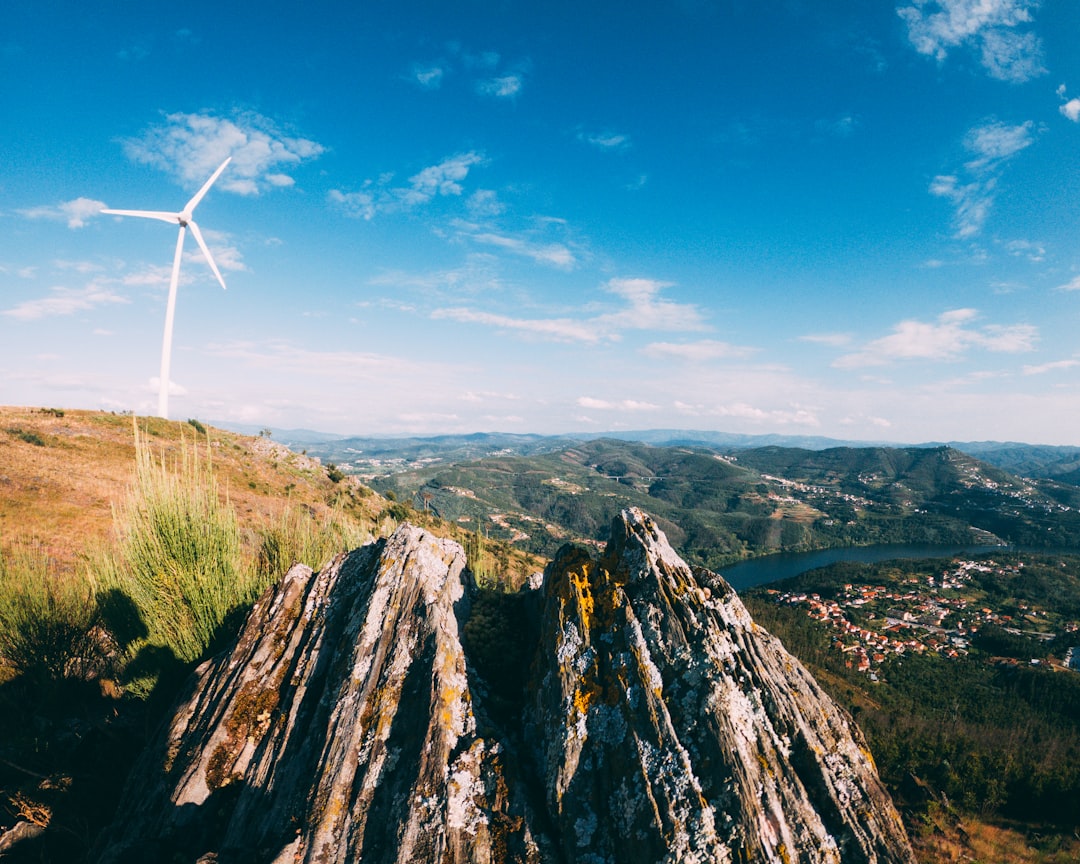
{"points": [[851, 219]]}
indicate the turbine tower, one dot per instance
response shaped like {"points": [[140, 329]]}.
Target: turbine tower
{"points": [[184, 220]]}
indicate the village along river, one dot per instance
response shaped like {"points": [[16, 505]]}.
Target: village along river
{"points": [[784, 565]]}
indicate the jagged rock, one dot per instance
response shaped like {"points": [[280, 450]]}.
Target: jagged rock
{"points": [[657, 723], [20, 832], [671, 728], [340, 728]]}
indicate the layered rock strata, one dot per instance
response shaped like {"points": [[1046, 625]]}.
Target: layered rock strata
{"points": [[352, 721]]}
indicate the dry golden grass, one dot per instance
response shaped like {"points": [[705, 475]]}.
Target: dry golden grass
{"points": [[61, 473], [974, 842]]}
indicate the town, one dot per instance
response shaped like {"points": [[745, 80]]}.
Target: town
{"points": [[922, 614]]}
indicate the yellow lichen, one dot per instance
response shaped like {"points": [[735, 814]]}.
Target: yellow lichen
{"points": [[583, 700]]}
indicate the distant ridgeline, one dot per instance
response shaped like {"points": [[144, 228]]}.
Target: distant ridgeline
{"points": [[626, 711], [721, 507]]}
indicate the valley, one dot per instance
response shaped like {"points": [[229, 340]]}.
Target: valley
{"points": [[935, 659]]}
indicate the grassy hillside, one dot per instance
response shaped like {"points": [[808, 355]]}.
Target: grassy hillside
{"points": [[61, 472]]}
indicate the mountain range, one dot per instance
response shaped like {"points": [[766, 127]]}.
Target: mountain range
{"points": [[719, 507], [384, 454]]}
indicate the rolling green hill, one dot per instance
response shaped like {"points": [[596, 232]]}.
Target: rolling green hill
{"points": [[722, 507]]}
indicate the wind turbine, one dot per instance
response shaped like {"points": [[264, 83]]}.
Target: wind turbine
{"points": [[184, 220]]}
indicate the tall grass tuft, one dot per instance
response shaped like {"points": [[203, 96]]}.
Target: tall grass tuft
{"points": [[299, 537], [179, 559], [48, 624]]}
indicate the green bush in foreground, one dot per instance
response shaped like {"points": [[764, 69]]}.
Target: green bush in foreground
{"points": [[179, 559], [48, 624], [298, 537]]}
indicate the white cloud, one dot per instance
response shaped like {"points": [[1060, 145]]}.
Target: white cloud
{"points": [[947, 339], [191, 146], [989, 27], [1026, 249], [558, 329], [552, 254], [795, 416], [605, 140], [135, 52], [1071, 108], [226, 255], [697, 352], [359, 205], [995, 142], [428, 77], [992, 144], [502, 87], [834, 340], [484, 203], [441, 179], [1072, 285], [284, 358], [1050, 367], [646, 310], [643, 311], [474, 277], [79, 266], [75, 212], [620, 405], [1010, 56], [64, 301], [380, 196]]}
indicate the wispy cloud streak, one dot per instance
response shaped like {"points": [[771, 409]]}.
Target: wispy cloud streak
{"points": [[75, 213], [972, 189], [64, 301], [643, 309]]}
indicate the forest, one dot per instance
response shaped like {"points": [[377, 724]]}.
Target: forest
{"points": [[986, 734]]}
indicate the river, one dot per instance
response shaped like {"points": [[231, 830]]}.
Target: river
{"points": [[784, 565]]}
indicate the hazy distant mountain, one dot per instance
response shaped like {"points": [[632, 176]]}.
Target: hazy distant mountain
{"points": [[381, 455], [1028, 460]]}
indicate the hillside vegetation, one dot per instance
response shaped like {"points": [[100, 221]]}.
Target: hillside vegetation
{"points": [[62, 472], [129, 552], [718, 508], [972, 719]]}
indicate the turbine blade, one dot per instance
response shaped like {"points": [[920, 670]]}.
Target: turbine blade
{"points": [[198, 196], [206, 251], [172, 218]]}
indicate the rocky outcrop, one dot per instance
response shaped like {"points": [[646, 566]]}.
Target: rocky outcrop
{"points": [[672, 728], [354, 720]]}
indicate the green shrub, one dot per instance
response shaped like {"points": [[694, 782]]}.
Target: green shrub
{"points": [[48, 624], [27, 435], [298, 537], [179, 559]]}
